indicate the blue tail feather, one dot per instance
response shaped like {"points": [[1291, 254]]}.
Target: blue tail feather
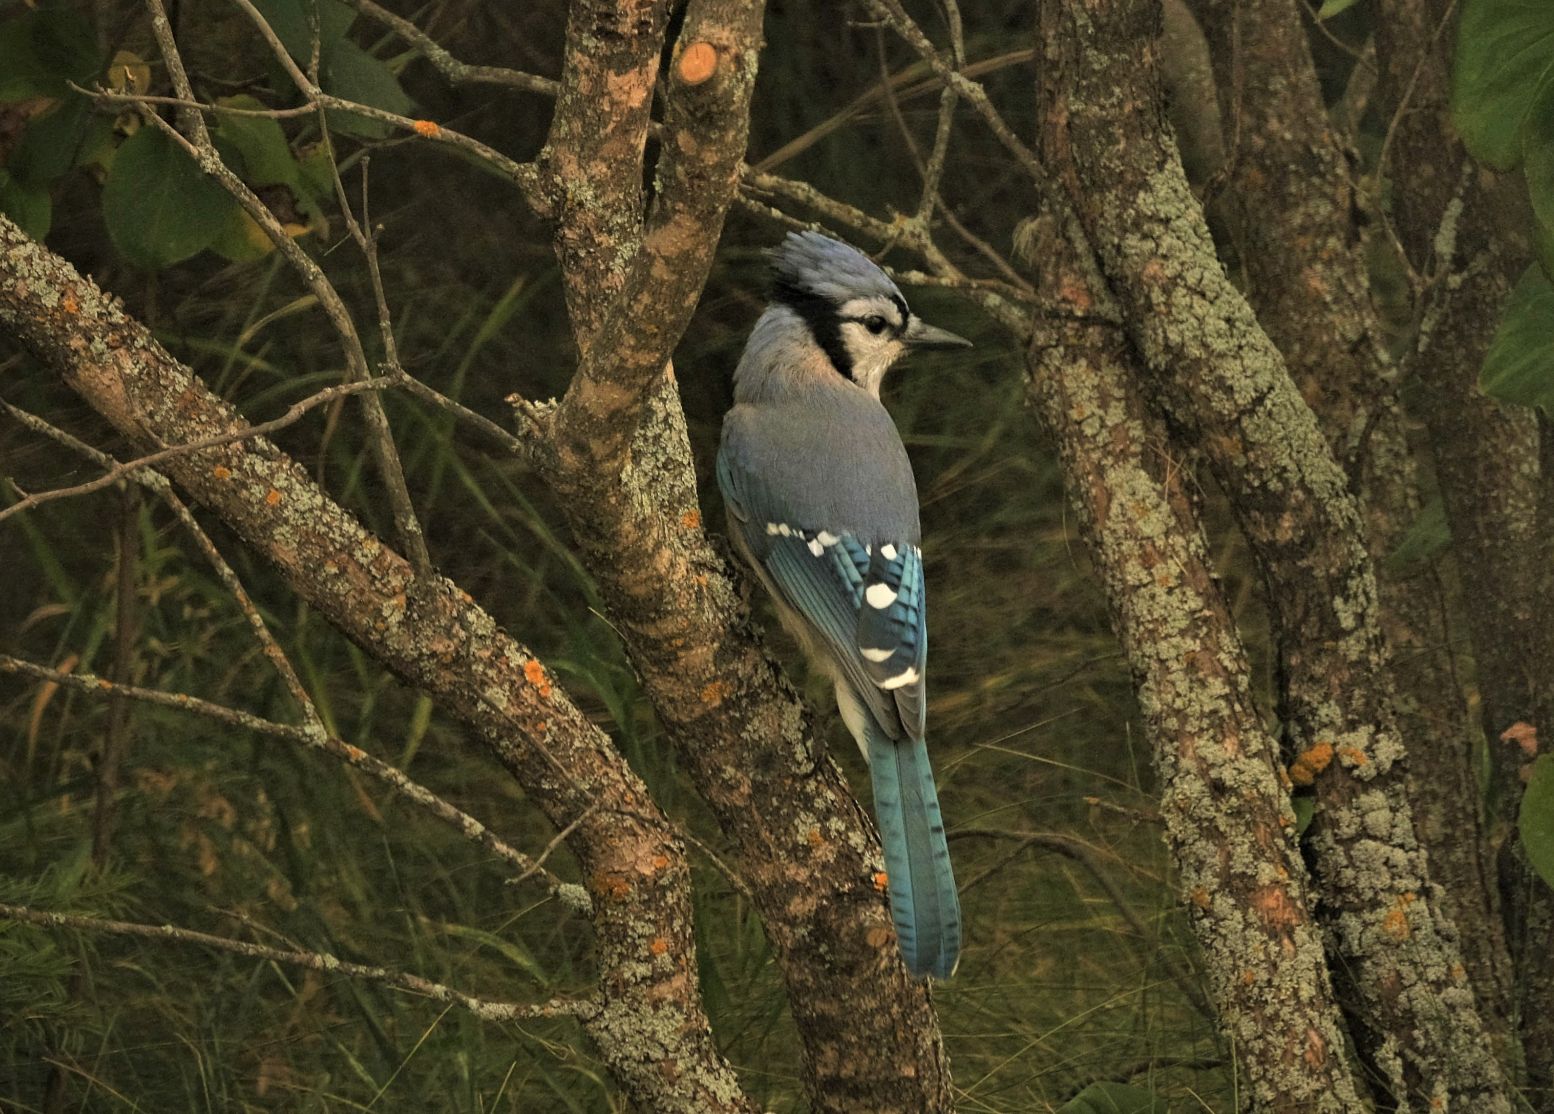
{"points": [[923, 901]]}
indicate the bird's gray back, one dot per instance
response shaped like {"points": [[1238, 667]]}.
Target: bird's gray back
{"points": [[833, 452]]}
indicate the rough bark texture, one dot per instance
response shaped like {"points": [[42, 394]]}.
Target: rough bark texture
{"points": [[1308, 279], [1224, 799], [652, 1030], [1450, 223], [617, 452], [1226, 386]]}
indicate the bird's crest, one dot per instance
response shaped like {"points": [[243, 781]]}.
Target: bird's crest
{"points": [[807, 266]]}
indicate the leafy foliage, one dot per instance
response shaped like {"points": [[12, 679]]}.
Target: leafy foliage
{"points": [[1535, 824], [1113, 1098], [159, 206], [1520, 364]]}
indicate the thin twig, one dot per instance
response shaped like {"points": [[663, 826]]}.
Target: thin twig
{"points": [[317, 739], [380, 435], [457, 72], [119, 471], [487, 1009]]}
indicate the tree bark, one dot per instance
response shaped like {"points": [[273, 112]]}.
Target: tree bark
{"points": [[1452, 226], [617, 453], [1309, 282], [1226, 386], [1224, 797]]}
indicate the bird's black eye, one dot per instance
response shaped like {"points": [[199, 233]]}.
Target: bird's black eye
{"points": [[874, 323]]}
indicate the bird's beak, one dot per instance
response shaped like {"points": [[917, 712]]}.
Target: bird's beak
{"points": [[920, 334]]}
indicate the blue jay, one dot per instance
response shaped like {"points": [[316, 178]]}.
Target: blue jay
{"points": [[822, 504]]}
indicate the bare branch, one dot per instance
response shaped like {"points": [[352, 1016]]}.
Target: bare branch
{"points": [[486, 1009], [459, 73], [162, 456], [315, 737]]}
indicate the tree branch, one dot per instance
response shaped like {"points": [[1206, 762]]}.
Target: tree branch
{"points": [[486, 1009]]}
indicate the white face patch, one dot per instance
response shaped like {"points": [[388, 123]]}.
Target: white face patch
{"points": [[907, 678], [873, 306], [880, 596]]}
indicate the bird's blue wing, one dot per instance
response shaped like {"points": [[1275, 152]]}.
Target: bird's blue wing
{"points": [[839, 585], [893, 629]]}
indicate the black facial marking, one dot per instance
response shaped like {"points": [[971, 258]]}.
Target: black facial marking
{"points": [[906, 314], [824, 323]]}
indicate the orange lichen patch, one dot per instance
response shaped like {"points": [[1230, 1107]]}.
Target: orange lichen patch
{"points": [[1395, 923], [272, 498], [534, 673], [1248, 977], [1200, 898], [1154, 272], [660, 861], [1352, 756], [612, 886], [659, 945], [69, 304], [881, 881], [815, 838], [698, 62], [1074, 291], [221, 472], [1316, 1049], [691, 520], [877, 937], [1310, 763], [355, 754], [427, 129], [1524, 735], [715, 692], [1277, 910]]}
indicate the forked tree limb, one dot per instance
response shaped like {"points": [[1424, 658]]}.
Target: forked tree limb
{"points": [[1225, 801], [1226, 385], [1309, 279], [617, 451]]}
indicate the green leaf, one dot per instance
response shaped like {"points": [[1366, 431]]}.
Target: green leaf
{"points": [[262, 155], [1114, 1098], [42, 52], [292, 22], [1505, 58], [159, 207], [1537, 141], [1305, 809], [1425, 537], [28, 205], [1520, 365], [58, 140], [240, 239], [352, 73], [1535, 823], [1331, 8]]}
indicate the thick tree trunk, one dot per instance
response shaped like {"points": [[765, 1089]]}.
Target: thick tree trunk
{"points": [[1226, 386], [1224, 798], [1309, 281]]}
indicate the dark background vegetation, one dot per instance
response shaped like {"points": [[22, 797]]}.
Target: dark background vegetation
{"points": [[1076, 950]]}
